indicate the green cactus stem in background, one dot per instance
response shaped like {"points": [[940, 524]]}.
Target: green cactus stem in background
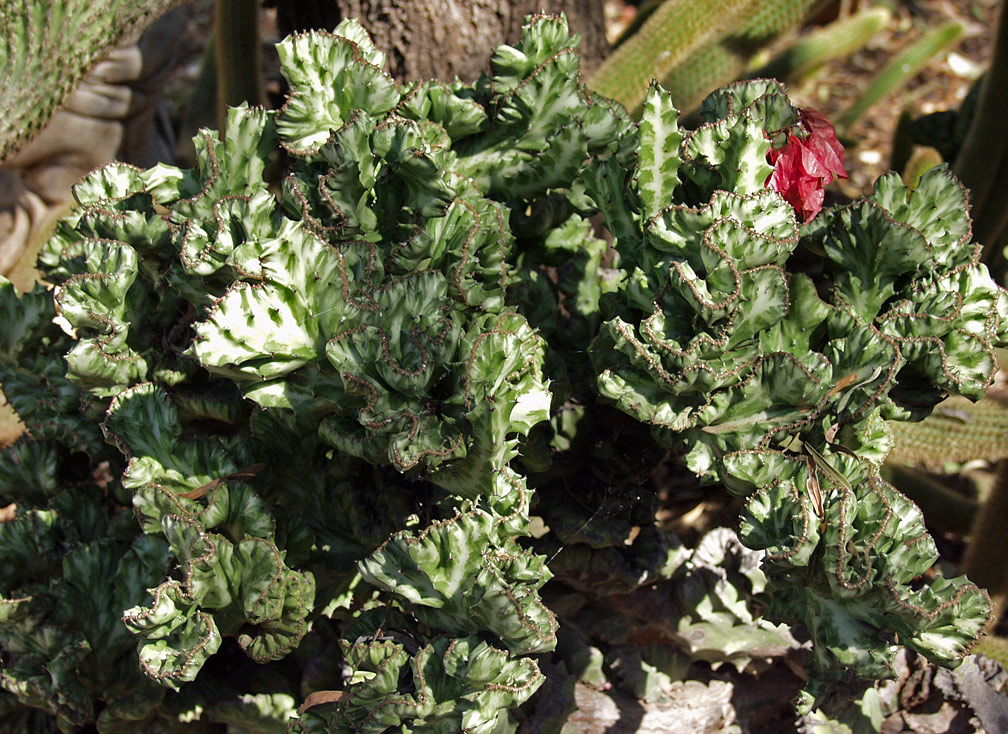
{"points": [[726, 57], [812, 50], [982, 163], [989, 540], [238, 55], [903, 67], [957, 431], [665, 40], [46, 47]]}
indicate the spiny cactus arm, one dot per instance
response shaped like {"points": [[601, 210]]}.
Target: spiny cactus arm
{"points": [[957, 431], [665, 39], [811, 51], [725, 57], [46, 48]]}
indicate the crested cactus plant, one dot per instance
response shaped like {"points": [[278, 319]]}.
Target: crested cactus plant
{"points": [[307, 451], [778, 384]]}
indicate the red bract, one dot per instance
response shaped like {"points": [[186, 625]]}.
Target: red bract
{"points": [[810, 158]]}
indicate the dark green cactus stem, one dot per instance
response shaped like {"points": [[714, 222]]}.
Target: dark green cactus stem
{"points": [[665, 40], [983, 159], [810, 52], [725, 58], [238, 56], [989, 542], [901, 68]]}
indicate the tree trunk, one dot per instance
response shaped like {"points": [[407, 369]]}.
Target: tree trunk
{"points": [[446, 38]]}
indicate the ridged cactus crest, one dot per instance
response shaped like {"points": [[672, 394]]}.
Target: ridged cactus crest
{"points": [[777, 382], [297, 418]]}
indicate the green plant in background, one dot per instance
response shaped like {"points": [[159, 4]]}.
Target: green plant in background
{"points": [[324, 441], [901, 68], [812, 50], [693, 52]]}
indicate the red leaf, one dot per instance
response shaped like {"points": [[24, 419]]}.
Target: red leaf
{"points": [[810, 158]]}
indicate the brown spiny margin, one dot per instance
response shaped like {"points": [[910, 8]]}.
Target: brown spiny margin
{"points": [[275, 614], [504, 656], [112, 328], [414, 90], [414, 334], [489, 556], [372, 709], [747, 109], [789, 241], [939, 344], [528, 364], [361, 299], [323, 180], [802, 500], [212, 310], [182, 508], [186, 229], [470, 236], [520, 511], [307, 217], [457, 270], [699, 160], [178, 671], [959, 244], [934, 613], [420, 686], [672, 380], [401, 462], [208, 183], [106, 201], [493, 557], [185, 588], [883, 388], [865, 557], [722, 338], [358, 58], [116, 440]]}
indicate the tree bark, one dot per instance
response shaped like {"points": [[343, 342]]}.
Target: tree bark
{"points": [[446, 38]]}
